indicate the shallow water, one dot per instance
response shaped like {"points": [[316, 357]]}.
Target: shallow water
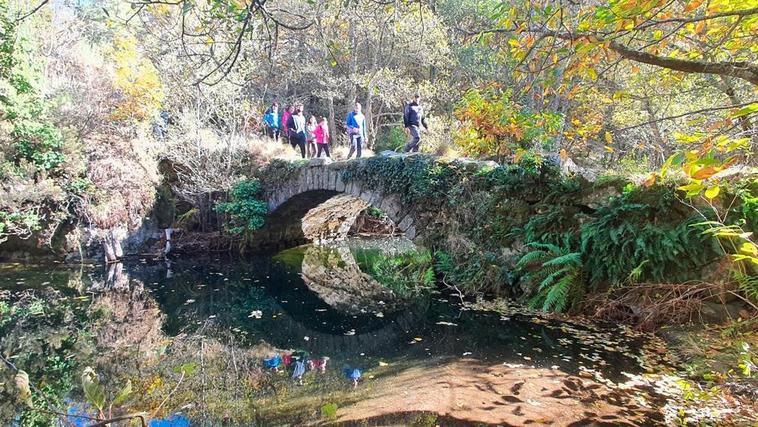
{"points": [[194, 333]]}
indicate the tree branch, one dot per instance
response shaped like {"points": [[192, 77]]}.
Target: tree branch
{"points": [[33, 11], [740, 69], [678, 116]]}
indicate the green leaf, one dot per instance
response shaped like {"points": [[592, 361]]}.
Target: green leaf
{"points": [[123, 394], [746, 110], [93, 390], [187, 368]]}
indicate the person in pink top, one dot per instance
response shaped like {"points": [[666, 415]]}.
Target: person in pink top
{"points": [[323, 138], [285, 117]]}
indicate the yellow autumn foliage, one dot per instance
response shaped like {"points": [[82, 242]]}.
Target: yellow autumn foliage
{"points": [[136, 80]]}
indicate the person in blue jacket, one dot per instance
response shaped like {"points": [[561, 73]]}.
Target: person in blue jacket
{"points": [[273, 122], [356, 130]]}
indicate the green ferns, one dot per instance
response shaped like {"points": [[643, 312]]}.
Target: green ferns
{"points": [[621, 240], [747, 284], [555, 279]]}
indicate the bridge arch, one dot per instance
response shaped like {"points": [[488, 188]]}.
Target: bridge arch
{"points": [[320, 184]]}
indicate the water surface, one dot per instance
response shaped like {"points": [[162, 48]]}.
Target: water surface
{"points": [[191, 335]]}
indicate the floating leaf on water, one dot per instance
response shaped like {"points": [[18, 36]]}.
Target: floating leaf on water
{"points": [[189, 301], [533, 402], [447, 323]]}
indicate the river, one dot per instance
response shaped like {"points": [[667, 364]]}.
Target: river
{"points": [[191, 338]]}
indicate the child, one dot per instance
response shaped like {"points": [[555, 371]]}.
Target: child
{"points": [[322, 138], [311, 138]]}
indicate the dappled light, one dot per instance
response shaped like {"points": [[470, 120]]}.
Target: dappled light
{"points": [[378, 212]]}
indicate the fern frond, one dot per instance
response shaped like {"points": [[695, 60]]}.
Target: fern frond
{"points": [[531, 258], [573, 258], [557, 297]]}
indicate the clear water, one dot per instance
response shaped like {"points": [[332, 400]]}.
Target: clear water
{"points": [[216, 319]]}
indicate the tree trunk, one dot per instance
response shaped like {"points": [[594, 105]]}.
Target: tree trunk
{"points": [[369, 119], [659, 141], [352, 93], [332, 123]]}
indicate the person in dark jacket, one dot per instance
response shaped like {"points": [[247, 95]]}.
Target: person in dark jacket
{"points": [[413, 119], [296, 129]]}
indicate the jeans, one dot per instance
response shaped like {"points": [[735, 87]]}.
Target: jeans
{"points": [[298, 140], [274, 133], [413, 144], [324, 148], [355, 147]]}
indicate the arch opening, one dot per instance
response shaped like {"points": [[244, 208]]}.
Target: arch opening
{"points": [[319, 216]]}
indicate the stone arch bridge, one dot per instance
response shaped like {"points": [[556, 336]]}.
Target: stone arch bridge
{"points": [[314, 203]]}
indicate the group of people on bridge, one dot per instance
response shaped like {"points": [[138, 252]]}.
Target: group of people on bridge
{"points": [[312, 138]]}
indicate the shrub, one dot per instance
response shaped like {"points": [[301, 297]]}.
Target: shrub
{"points": [[392, 139], [247, 212]]}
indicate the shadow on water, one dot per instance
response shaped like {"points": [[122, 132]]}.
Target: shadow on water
{"points": [[322, 300]]}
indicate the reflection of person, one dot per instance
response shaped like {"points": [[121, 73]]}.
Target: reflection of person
{"points": [[356, 130], [353, 374], [413, 119], [273, 362], [299, 371], [319, 364]]}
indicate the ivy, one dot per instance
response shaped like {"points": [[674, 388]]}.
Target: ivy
{"points": [[416, 178]]}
